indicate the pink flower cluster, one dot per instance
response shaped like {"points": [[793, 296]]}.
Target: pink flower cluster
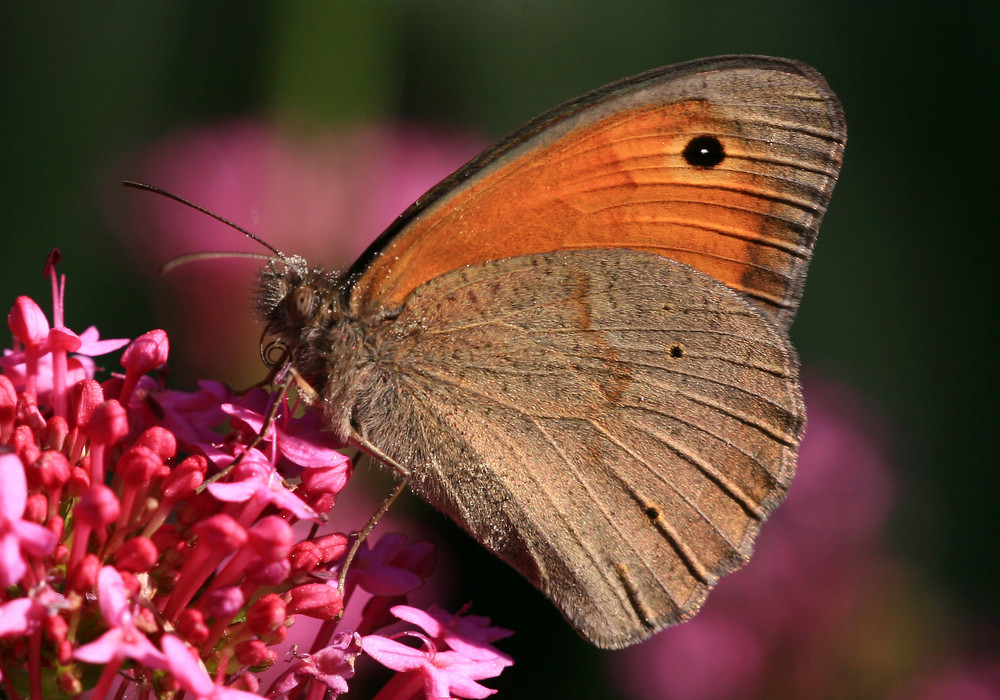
{"points": [[151, 544]]}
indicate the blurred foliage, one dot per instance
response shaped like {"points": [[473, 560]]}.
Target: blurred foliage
{"points": [[899, 295]]}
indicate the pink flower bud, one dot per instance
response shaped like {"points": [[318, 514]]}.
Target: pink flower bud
{"points": [[267, 615], [255, 653], [56, 430], [108, 423], [271, 538], [159, 440], [146, 353], [270, 574], [98, 507], [305, 556], [55, 627], [79, 481], [83, 577], [276, 637], [52, 470], [27, 322], [137, 555], [67, 681], [85, 396], [333, 546], [36, 508], [165, 537], [222, 603], [317, 600], [61, 555], [191, 626], [24, 445], [172, 559], [55, 525], [185, 478], [220, 532], [28, 413], [8, 407], [64, 652], [139, 465]]}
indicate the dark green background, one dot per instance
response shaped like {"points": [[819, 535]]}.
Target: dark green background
{"points": [[901, 298]]}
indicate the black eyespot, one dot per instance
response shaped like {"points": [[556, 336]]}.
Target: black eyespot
{"points": [[704, 152], [676, 351]]}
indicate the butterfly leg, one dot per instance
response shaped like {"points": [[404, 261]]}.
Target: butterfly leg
{"points": [[362, 534]]}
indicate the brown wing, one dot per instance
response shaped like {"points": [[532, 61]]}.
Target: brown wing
{"points": [[609, 170], [613, 424]]}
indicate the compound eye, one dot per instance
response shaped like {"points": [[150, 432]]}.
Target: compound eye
{"points": [[300, 303]]}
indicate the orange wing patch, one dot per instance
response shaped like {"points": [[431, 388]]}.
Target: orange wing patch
{"points": [[618, 178]]}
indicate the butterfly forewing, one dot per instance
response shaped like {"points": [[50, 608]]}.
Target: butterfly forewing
{"points": [[618, 168], [613, 424]]}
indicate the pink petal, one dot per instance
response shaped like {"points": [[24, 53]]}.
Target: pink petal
{"points": [[436, 685], [392, 654], [14, 493], [103, 649], [112, 595], [286, 500], [63, 339], [185, 669], [237, 492], [92, 347], [306, 452], [16, 617], [388, 581], [12, 564], [249, 417], [463, 687], [418, 617], [299, 442], [35, 539], [137, 647]]}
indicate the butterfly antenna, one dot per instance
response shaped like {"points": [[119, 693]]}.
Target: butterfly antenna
{"points": [[192, 257], [170, 195]]}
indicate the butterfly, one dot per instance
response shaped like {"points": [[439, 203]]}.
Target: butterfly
{"points": [[576, 346]]}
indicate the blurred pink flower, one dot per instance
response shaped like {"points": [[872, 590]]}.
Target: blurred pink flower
{"points": [[322, 196], [954, 680]]}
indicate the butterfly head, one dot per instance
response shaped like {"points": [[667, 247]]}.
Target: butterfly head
{"points": [[296, 303]]}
